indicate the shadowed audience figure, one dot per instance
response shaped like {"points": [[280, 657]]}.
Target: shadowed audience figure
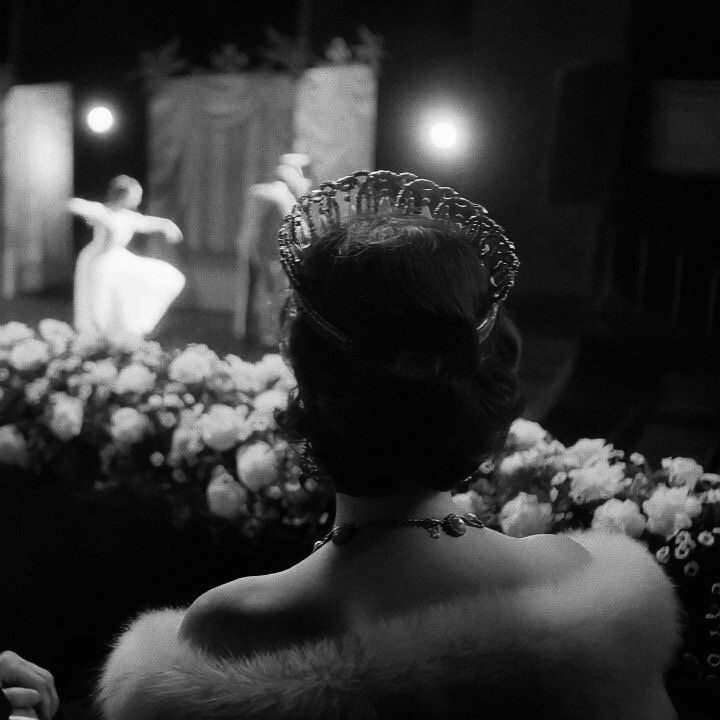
{"points": [[261, 284], [406, 370]]}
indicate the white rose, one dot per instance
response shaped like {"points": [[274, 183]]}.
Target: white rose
{"points": [[712, 496], [272, 369], [85, 345], [167, 419], [102, 372], [271, 400], [193, 365], [712, 478], [543, 455], [85, 391], [521, 460], [127, 425], [66, 418], [28, 354], [226, 497], [259, 422], [619, 516], [14, 332], [54, 369], [524, 515], [670, 510], [682, 472], [172, 400], [512, 463], [135, 378], [222, 380], [464, 502], [36, 390], [220, 427], [257, 465], [597, 482], [586, 452], [186, 441], [13, 448], [243, 374], [71, 364], [150, 353], [524, 434], [57, 334]]}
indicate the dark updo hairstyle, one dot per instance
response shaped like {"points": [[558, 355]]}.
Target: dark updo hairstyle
{"points": [[417, 398]]}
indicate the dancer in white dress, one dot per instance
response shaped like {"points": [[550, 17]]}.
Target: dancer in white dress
{"points": [[116, 291]]}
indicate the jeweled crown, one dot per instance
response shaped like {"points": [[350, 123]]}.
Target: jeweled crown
{"points": [[334, 204]]}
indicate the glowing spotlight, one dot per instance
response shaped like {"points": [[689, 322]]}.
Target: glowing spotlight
{"points": [[443, 135], [100, 119]]}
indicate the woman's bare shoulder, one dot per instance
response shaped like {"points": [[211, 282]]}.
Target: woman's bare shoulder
{"points": [[247, 615], [227, 607]]}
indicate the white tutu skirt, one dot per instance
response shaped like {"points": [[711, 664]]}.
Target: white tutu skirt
{"points": [[118, 292]]}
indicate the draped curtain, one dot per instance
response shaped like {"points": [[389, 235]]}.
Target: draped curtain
{"points": [[334, 119], [213, 136], [36, 180]]}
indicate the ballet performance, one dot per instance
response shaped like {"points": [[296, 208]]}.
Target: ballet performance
{"points": [[116, 291]]}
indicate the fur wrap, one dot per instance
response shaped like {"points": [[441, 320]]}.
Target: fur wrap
{"points": [[593, 645]]}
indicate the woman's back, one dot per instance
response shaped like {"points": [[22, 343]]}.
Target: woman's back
{"points": [[380, 574], [590, 641]]}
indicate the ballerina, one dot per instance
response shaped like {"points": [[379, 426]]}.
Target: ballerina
{"points": [[116, 291]]}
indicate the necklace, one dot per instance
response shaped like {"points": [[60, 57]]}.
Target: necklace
{"points": [[452, 524]]}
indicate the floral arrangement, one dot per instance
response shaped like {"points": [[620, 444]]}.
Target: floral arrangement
{"points": [[194, 419], [197, 429], [538, 485]]}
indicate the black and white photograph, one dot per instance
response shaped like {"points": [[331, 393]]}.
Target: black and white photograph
{"points": [[359, 360]]}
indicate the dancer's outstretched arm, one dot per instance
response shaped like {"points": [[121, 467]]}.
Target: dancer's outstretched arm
{"points": [[151, 224], [92, 212]]}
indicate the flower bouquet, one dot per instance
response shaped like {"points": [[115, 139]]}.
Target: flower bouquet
{"points": [[194, 429], [538, 485]]}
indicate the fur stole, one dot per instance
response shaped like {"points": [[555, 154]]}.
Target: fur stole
{"points": [[593, 645]]}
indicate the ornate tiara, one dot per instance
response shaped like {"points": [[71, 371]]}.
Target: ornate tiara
{"points": [[397, 194]]}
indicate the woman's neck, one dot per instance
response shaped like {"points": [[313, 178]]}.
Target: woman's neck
{"points": [[402, 504]]}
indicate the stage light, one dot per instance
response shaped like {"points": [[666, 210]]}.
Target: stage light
{"points": [[445, 132], [443, 135], [100, 119]]}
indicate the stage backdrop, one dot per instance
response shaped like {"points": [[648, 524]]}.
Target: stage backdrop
{"points": [[36, 176], [213, 136]]}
